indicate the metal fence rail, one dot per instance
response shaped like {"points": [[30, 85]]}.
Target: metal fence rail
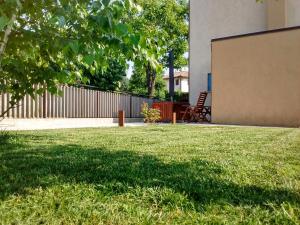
{"points": [[75, 103]]}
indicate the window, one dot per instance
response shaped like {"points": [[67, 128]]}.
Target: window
{"points": [[177, 81], [209, 82]]}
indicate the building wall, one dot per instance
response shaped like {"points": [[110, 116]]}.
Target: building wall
{"points": [[293, 13], [276, 14], [283, 13], [213, 19], [257, 79], [183, 85]]}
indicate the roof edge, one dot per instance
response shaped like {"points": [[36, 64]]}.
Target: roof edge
{"points": [[256, 33]]}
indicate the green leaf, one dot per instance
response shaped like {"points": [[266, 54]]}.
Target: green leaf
{"points": [[106, 2], [4, 21], [74, 45], [121, 29], [88, 59], [135, 39], [85, 80]]}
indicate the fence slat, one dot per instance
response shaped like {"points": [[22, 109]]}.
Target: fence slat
{"points": [[74, 103]]}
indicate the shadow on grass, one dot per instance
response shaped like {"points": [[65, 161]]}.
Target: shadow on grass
{"points": [[200, 180]]}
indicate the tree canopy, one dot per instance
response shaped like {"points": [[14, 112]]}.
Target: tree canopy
{"points": [[165, 24], [138, 84], [48, 42], [57, 42], [111, 79]]}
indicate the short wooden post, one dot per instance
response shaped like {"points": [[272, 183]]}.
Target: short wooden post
{"points": [[121, 118], [174, 119]]}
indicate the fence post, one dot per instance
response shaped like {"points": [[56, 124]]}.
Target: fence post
{"points": [[97, 104], [174, 119], [121, 118], [130, 105], [45, 105]]}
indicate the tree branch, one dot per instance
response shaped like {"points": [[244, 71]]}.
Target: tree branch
{"points": [[6, 35], [2, 115]]}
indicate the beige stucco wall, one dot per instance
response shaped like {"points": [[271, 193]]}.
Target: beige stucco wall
{"points": [[213, 19], [257, 80], [276, 14], [283, 13]]}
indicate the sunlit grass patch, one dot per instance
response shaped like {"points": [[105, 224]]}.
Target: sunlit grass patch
{"points": [[151, 175]]}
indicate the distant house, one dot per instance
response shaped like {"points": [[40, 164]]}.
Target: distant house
{"points": [[181, 81]]}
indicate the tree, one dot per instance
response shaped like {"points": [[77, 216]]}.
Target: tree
{"points": [[110, 79], [138, 84], [46, 43], [165, 25], [124, 85]]}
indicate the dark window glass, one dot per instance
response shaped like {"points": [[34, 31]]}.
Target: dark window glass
{"points": [[209, 82]]}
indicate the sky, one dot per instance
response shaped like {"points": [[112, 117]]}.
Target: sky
{"points": [[130, 69]]}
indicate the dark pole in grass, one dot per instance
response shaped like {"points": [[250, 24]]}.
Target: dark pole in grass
{"points": [[171, 75]]}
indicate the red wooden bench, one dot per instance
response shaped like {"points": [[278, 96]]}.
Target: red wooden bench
{"points": [[199, 112]]}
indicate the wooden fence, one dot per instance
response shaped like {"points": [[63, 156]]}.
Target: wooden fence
{"points": [[75, 103]]}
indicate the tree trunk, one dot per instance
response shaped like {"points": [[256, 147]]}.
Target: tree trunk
{"points": [[151, 80]]}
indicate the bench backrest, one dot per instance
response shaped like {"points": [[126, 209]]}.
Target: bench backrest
{"points": [[201, 101]]}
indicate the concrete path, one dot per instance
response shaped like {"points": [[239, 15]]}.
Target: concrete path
{"points": [[51, 123], [228, 125], [46, 124]]}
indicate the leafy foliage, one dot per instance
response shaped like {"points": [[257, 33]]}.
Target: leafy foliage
{"points": [[49, 42], [110, 79], [138, 83], [180, 97], [165, 26], [151, 115]]}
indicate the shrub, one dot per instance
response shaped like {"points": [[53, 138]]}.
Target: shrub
{"points": [[150, 115], [179, 97]]}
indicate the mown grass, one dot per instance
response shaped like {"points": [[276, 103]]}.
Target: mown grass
{"points": [[151, 175]]}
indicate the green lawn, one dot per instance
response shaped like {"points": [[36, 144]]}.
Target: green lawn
{"points": [[151, 175]]}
